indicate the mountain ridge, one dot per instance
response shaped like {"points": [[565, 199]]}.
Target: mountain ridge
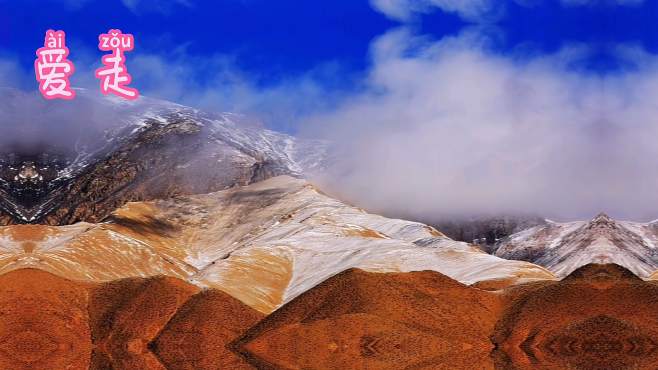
{"points": [[564, 247], [140, 150]]}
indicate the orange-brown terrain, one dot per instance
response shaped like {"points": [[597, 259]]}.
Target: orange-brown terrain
{"points": [[48, 322], [599, 317], [263, 244], [362, 320]]}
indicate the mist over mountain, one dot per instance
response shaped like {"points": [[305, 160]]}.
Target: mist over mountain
{"points": [[451, 129], [64, 163]]}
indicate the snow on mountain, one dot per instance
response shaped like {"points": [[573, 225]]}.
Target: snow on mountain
{"points": [[252, 143], [95, 153], [147, 187], [564, 247], [264, 244]]}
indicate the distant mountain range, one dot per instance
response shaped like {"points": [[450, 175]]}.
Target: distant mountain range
{"points": [[564, 247]]}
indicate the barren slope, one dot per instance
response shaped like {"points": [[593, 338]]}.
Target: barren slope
{"points": [[361, 320], [264, 244], [601, 317], [159, 323]]}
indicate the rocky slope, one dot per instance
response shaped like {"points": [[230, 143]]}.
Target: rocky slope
{"points": [[113, 189], [361, 320], [264, 244], [61, 164], [599, 317], [563, 247]]}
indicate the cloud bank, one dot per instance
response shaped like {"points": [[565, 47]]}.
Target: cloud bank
{"points": [[446, 128], [450, 129], [471, 10]]}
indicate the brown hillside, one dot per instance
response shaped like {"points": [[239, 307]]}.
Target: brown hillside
{"points": [[196, 338], [600, 317], [47, 322], [43, 322], [362, 320]]}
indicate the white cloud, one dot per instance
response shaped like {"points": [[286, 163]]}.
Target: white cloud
{"points": [[471, 10], [453, 129], [404, 10], [11, 73], [397, 9], [217, 83]]}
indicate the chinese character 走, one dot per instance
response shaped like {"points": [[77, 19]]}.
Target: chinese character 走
{"points": [[114, 75], [52, 67]]}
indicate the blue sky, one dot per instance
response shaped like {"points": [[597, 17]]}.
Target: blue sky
{"points": [[274, 40], [270, 38]]}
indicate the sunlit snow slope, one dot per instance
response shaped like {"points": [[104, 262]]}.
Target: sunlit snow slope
{"points": [[263, 243]]}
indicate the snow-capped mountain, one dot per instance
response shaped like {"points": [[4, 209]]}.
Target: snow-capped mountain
{"points": [[65, 163], [263, 243], [563, 247], [150, 187]]}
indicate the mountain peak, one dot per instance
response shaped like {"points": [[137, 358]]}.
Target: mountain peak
{"points": [[602, 217], [103, 152], [564, 247]]}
